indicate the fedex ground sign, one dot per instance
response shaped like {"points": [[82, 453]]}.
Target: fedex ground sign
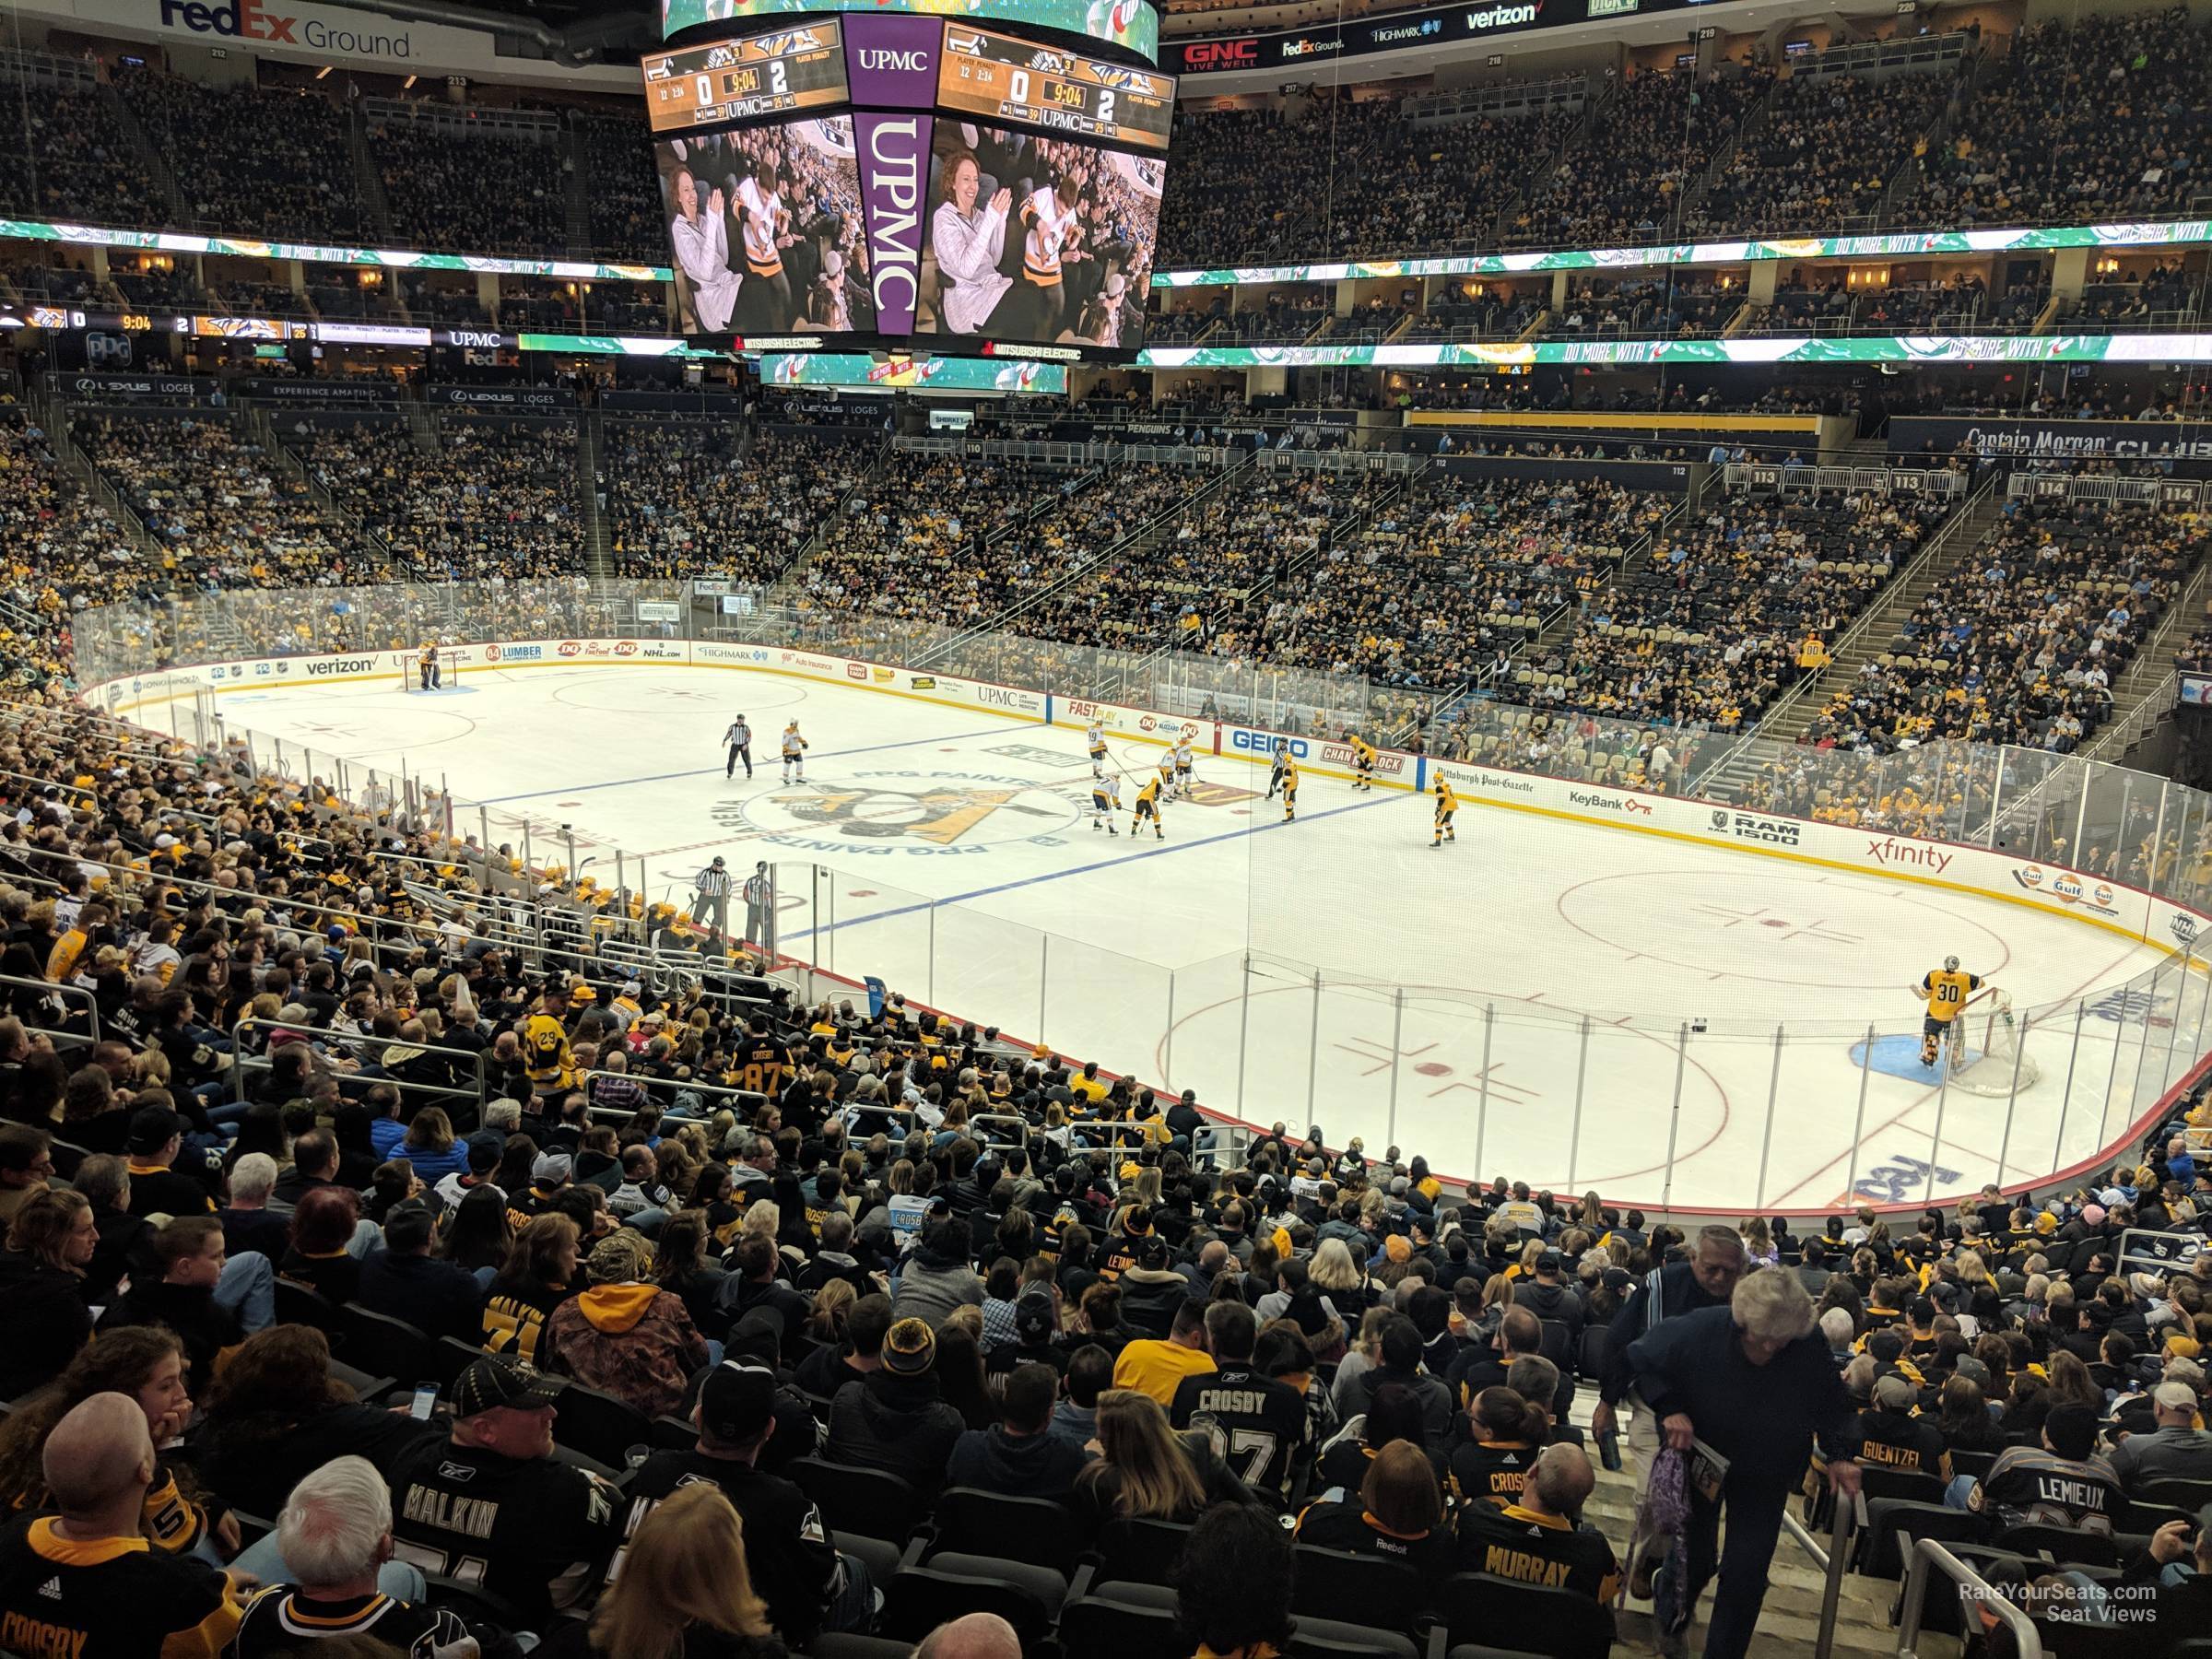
{"points": [[283, 24]]}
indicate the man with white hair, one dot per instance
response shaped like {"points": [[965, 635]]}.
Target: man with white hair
{"points": [[1756, 1383], [2176, 1450], [335, 1533]]}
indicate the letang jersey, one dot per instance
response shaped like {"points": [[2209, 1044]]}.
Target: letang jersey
{"points": [[533, 1530]]}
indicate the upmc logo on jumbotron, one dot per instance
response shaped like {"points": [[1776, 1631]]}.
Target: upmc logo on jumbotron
{"points": [[244, 20]]}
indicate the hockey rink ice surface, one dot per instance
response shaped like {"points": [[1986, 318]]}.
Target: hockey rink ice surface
{"points": [[1592, 946]]}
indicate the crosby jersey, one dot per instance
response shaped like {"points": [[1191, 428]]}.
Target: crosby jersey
{"points": [[1258, 1424], [1946, 994], [762, 1064], [111, 1599]]}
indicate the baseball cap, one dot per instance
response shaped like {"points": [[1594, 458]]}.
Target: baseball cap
{"points": [[1152, 1254], [550, 1166], [737, 1401], [153, 1128], [496, 1381], [622, 1256], [909, 1347], [1972, 1369], [1033, 1316], [1894, 1392], [1547, 1261]]}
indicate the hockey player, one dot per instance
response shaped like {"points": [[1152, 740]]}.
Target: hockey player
{"points": [[1447, 803], [1945, 989], [1183, 765], [1167, 774], [1363, 763], [428, 669], [1281, 767], [1105, 801], [1147, 806], [794, 752], [1288, 763], [1095, 740]]}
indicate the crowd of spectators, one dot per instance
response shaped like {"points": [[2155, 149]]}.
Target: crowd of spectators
{"points": [[628, 224], [915, 545], [224, 513], [74, 163], [61, 550], [487, 192], [825, 1305], [683, 500], [1658, 306], [2163, 297], [1482, 312], [1649, 148], [2084, 121], [1440, 586], [1733, 604], [251, 161], [494, 498], [2023, 641], [1823, 157]]}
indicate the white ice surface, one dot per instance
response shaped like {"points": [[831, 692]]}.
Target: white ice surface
{"points": [[1131, 953]]}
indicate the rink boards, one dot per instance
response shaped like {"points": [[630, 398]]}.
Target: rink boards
{"points": [[2096, 900]]}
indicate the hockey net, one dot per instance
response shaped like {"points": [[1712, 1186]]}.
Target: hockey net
{"points": [[1994, 1063], [410, 669]]}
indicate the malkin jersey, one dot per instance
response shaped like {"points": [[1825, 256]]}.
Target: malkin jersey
{"points": [[533, 1530], [113, 1598], [1257, 1425]]}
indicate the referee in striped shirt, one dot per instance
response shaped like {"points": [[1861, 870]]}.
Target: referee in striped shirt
{"points": [[712, 904]]}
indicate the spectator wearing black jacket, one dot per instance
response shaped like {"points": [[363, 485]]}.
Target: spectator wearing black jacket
{"points": [[1401, 1363], [404, 1281], [1551, 1301], [1017, 1456], [827, 1369], [896, 1419], [190, 1253], [753, 1285], [49, 1243]]}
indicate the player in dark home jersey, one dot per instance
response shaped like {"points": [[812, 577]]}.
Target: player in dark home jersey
{"points": [[1256, 1423]]}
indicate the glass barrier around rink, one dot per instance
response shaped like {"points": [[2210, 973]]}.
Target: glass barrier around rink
{"points": [[2101, 1061]]}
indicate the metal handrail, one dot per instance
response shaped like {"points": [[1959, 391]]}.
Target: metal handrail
{"points": [[1924, 1555], [1832, 1560], [62, 991], [244, 1062], [752, 1097]]}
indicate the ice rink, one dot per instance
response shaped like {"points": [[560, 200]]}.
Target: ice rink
{"points": [[1515, 1004]]}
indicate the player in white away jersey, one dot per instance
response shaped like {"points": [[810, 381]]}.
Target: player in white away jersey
{"points": [[794, 752], [1105, 801], [1095, 740]]}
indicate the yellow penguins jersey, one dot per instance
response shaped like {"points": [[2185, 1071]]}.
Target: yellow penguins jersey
{"points": [[1149, 794], [547, 1047], [1363, 751], [1446, 800], [1946, 994]]}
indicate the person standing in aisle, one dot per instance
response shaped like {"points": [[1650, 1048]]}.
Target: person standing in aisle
{"points": [[1755, 1381], [759, 898], [711, 905], [739, 738]]}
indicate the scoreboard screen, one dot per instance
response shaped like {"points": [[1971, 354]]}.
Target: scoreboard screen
{"points": [[726, 81], [1000, 78]]}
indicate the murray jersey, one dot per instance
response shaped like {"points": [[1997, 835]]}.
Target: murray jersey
{"points": [[1257, 1425]]}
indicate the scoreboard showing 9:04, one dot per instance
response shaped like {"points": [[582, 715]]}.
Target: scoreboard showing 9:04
{"points": [[724, 81], [1001, 78]]}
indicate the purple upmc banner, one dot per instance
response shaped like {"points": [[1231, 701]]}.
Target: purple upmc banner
{"points": [[891, 62], [894, 181]]}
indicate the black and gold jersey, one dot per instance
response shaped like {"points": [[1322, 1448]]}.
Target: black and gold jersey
{"points": [[1529, 1548], [283, 1619], [110, 1598]]}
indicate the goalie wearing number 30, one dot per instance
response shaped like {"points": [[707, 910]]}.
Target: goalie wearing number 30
{"points": [[1947, 990]]}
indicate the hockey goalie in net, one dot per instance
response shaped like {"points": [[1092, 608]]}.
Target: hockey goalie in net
{"points": [[1970, 1026]]}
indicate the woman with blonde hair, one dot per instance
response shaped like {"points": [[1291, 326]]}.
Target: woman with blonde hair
{"points": [[1337, 1275], [1146, 1471], [685, 1591]]}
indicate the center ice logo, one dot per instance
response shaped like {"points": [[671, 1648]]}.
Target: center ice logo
{"points": [[906, 811]]}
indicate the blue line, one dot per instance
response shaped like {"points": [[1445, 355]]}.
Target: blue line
{"points": [[1007, 887], [703, 772]]}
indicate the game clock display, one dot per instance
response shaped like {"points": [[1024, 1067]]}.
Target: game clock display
{"points": [[882, 177]]}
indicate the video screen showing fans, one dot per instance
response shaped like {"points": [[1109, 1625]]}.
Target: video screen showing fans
{"points": [[1041, 240], [765, 230]]}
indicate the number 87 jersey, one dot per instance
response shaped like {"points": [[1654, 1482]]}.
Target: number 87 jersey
{"points": [[1256, 1423]]}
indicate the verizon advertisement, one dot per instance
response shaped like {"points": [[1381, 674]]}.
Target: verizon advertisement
{"points": [[1398, 31]]}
